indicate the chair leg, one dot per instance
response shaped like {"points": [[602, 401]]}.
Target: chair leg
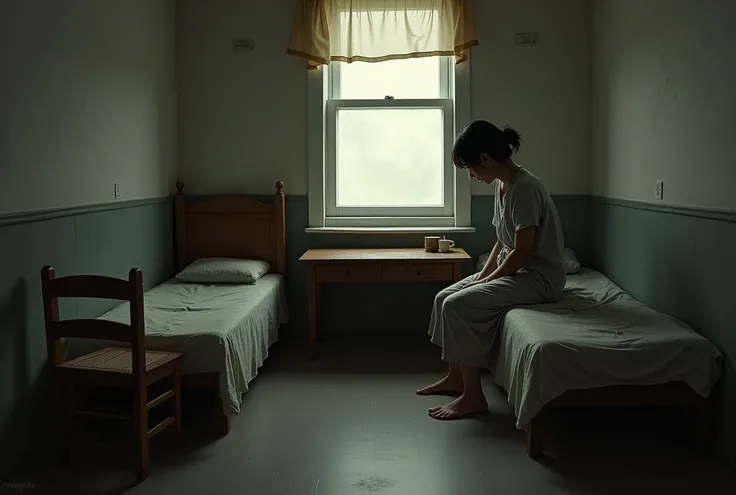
{"points": [[141, 431], [177, 397], [61, 421]]}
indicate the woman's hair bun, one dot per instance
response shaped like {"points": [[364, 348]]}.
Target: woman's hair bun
{"points": [[513, 138]]}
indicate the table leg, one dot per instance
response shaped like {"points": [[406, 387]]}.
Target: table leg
{"points": [[313, 311]]}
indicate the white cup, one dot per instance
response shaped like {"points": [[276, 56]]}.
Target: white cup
{"points": [[446, 245]]}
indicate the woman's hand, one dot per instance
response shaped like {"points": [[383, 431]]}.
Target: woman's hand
{"points": [[478, 282]]}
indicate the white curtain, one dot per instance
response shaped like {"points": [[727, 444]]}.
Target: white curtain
{"points": [[378, 30]]}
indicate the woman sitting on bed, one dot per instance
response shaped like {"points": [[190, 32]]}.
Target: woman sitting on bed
{"points": [[525, 267]]}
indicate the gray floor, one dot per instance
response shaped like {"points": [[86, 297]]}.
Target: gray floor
{"points": [[351, 424]]}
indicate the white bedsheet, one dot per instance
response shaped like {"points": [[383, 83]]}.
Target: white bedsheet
{"points": [[222, 328], [596, 336]]}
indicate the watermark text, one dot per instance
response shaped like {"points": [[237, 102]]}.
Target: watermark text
{"points": [[17, 487]]}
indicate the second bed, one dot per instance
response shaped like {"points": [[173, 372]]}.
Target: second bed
{"points": [[599, 340]]}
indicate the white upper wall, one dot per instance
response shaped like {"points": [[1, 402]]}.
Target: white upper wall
{"points": [[542, 92], [664, 101], [242, 116], [88, 99]]}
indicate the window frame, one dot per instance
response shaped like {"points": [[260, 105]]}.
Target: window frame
{"points": [[324, 215]]}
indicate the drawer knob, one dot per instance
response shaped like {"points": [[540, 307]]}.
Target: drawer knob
{"points": [[419, 273], [347, 273]]}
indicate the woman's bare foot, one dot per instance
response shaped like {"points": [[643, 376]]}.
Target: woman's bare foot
{"points": [[463, 406], [451, 384]]}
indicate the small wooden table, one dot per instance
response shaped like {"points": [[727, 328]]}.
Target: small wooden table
{"points": [[364, 266]]}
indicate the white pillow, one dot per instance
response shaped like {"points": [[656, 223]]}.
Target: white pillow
{"points": [[224, 271], [570, 261]]}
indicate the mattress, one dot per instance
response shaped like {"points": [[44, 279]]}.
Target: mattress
{"points": [[597, 335], [218, 328]]}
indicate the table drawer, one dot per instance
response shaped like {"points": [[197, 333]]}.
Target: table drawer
{"points": [[418, 272], [348, 273]]}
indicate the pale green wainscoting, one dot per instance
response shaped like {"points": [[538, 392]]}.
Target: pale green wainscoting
{"points": [[106, 239], [110, 239], [679, 261]]}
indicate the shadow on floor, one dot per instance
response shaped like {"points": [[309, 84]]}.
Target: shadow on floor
{"points": [[377, 354], [349, 423]]}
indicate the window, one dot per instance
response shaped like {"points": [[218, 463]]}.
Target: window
{"points": [[381, 135]]}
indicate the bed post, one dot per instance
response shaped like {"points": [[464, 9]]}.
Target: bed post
{"points": [[180, 226], [701, 425], [535, 436], [222, 420], [280, 205]]}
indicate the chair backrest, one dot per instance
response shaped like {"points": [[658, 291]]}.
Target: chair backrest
{"points": [[98, 287]]}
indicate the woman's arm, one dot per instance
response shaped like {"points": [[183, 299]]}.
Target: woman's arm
{"points": [[490, 266], [524, 241], [492, 262], [524, 208]]}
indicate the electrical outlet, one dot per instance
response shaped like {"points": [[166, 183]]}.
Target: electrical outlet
{"points": [[659, 190], [118, 195]]}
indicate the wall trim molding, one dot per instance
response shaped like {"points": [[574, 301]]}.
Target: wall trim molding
{"points": [[689, 211], [69, 211], [305, 197], [553, 196]]}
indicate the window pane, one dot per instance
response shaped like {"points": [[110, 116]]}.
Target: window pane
{"points": [[406, 78], [390, 157]]}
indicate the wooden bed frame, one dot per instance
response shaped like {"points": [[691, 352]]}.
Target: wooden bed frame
{"points": [[700, 410], [228, 226]]}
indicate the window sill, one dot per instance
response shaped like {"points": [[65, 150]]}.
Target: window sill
{"points": [[389, 230]]}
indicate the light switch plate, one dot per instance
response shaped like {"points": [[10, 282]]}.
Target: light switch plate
{"points": [[527, 39]]}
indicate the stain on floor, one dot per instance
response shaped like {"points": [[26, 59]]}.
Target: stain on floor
{"points": [[374, 484]]}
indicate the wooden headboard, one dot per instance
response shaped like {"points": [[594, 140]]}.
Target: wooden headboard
{"points": [[230, 227]]}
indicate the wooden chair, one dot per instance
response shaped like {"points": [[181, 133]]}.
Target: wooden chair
{"points": [[131, 367]]}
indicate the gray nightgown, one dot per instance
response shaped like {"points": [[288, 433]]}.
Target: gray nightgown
{"points": [[465, 322]]}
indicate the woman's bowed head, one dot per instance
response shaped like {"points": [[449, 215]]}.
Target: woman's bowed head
{"points": [[484, 150]]}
